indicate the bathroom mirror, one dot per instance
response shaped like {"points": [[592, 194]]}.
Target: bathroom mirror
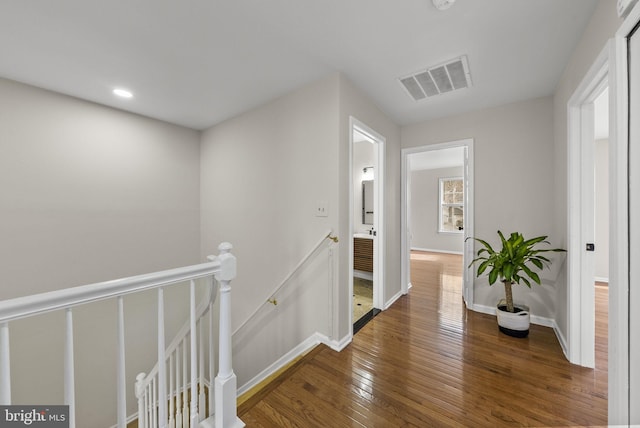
{"points": [[367, 202]]}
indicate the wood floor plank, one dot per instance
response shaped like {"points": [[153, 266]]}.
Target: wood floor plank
{"points": [[429, 362]]}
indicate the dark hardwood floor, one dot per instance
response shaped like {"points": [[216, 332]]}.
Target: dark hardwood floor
{"points": [[428, 362]]}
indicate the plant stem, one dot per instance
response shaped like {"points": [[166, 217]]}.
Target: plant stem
{"points": [[509, 296]]}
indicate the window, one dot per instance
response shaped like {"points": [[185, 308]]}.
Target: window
{"points": [[451, 214]]}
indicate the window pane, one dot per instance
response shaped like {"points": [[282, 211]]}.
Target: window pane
{"points": [[452, 191], [452, 218], [451, 204]]}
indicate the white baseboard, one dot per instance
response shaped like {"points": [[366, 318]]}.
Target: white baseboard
{"points": [[601, 279], [336, 345], [535, 319], [303, 347], [430, 250], [309, 343], [392, 300], [562, 340]]}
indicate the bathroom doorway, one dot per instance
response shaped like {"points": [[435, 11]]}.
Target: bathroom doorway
{"points": [[366, 230]]}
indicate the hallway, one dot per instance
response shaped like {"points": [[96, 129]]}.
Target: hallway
{"points": [[427, 361]]}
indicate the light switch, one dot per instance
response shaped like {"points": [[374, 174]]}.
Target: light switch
{"points": [[321, 209]]}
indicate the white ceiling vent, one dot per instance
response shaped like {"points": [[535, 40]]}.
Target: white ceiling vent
{"points": [[438, 80]]}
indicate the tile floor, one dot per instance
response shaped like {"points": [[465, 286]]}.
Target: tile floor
{"points": [[362, 297]]}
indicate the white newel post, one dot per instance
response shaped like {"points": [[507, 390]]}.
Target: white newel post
{"points": [[226, 395], [69, 377], [5, 366], [141, 404]]}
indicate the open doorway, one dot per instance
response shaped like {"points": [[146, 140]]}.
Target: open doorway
{"points": [[366, 224], [437, 206]]}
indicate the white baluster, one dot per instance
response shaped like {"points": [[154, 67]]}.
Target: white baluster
{"points": [[212, 357], [5, 366], [121, 378], [171, 392], [141, 402], [154, 403], [201, 398], [178, 389], [226, 412], [193, 414], [162, 365], [69, 378], [149, 400], [185, 395]]}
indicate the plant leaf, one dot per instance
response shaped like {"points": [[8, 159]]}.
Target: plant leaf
{"points": [[493, 275]]}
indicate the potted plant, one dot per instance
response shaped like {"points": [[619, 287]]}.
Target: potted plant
{"points": [[513, 264]]}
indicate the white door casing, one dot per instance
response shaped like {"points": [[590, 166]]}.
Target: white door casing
{"points": [[581, 213], [405, 223], [633, 49], [378, 214]]}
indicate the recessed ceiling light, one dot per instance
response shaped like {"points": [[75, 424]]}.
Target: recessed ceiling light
{"points": [[122, 93], [443, 4]]}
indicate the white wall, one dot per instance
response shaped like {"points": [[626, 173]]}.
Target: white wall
{"points": [[513, 182], [425, 195], [262, 174], [89, 194], [363, 156], [270, 166], [601, 270]]}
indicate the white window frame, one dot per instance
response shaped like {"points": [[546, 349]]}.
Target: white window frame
{"points": [[441, 203]]}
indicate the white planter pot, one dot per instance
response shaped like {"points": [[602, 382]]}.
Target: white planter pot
{"points": [[513, 324]]}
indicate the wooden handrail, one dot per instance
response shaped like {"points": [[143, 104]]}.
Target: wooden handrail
{"points": [[270, 298]]}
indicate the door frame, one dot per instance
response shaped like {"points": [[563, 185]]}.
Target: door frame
{"points": [[405, 217], [378, 210], [611, 64], [623, 390], [581, 212]]}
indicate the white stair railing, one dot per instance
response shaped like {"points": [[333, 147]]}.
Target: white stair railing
{"points": [[182, 410], [157, 406]]}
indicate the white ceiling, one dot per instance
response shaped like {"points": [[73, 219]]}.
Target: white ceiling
{"points": [[198, 62]]}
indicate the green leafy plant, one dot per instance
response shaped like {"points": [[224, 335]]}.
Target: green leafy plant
{"points": [[514, 263]]}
